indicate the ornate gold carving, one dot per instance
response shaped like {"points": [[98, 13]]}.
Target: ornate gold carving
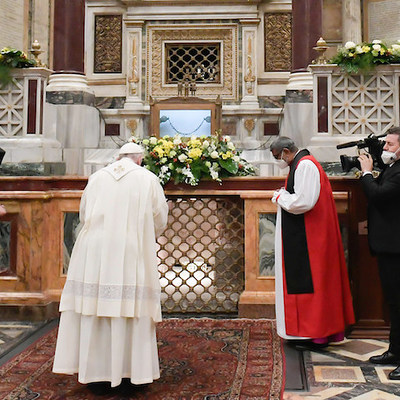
{"points": [[278, 41], [108, 44], [249, 78], [226, 34], [132, 124], [249, 124], [134, 78]]}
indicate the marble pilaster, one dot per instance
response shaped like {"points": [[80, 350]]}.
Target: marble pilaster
{"points": [[249, 64], [134, 66]]}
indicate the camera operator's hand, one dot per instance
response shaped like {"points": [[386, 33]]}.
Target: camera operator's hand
{"points": [[366, 162], [3, 210]]}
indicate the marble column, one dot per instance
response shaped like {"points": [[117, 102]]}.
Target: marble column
{"points": [[306, 30], [69, 25], [298, 111], [70, 103], [351, 17]]}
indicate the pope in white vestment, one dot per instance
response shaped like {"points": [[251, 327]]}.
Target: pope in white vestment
{"points": [[111, 298]]}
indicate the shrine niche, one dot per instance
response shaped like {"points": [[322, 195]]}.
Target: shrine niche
{"points": [[185, 116], [211, 51]]}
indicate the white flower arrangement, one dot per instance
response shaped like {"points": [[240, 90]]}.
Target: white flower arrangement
{"points": [[361, 58]]}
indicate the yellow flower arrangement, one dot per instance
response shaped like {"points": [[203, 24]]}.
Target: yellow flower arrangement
{"points": [[190, 160]]}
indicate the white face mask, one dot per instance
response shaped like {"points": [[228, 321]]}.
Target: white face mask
{"points": [[281, 163], [388, 157]]}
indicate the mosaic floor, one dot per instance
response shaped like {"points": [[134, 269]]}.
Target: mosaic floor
{"points": [[12, 333], [342, 371], [339, 371]]}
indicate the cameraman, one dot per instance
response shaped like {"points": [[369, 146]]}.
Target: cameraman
{"points": [[383, 194]]}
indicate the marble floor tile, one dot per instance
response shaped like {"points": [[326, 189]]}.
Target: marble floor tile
{"points": [[334, 373]]}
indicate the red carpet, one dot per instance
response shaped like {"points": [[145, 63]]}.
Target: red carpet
{"points": [[224, 359]]}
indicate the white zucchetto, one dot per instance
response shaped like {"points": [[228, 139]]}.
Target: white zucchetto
{"points": [[131, 148]]}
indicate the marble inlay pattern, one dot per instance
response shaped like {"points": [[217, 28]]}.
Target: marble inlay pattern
{"points": [[70, 97], [110, 102], [5, 229], [299, 96], [343, 372], [32, 169], [271, 101]]}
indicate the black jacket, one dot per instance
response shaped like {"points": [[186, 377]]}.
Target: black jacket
{"points": [[383, 194]]}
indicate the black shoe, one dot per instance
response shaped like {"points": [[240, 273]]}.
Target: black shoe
{"points": [[395, 374], [386, 358], [302, 345], [99, 388]]}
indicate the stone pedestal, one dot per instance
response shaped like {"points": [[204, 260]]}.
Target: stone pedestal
{"points": [[72, 118], [298, 111]]}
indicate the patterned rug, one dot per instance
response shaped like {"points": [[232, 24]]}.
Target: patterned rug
{"points": [[210, 359]]}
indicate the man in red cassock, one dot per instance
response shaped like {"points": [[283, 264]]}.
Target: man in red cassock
{"points": [[313, 299]]}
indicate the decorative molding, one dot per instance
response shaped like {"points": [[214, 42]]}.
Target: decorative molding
{"points": [[225, 34], [108, 44], [98, 82], [278, 41]]}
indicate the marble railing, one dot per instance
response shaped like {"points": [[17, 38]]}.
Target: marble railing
{"points": [[350, 107], [22, 121], [215, 256]]}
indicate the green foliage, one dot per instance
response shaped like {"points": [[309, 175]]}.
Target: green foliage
{"points": [[9, 59]]}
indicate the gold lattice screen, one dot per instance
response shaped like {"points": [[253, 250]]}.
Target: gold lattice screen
{"points": [[201, 255]]}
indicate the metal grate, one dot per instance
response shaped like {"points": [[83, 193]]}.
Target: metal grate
{"points": [[201, 255], [198, 63]]}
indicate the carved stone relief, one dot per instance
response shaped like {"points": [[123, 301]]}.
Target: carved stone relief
{"points": [[108, 44], [157, 38], [134, 74], [249, 76], [278, 41], [249, 124]]}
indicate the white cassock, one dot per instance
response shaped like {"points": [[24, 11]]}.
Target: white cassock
{"points": [[306, 192], [111, 298]]}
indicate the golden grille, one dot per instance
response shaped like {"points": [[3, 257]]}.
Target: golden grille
{"points": [[201, 255], [198, 63], [108, 44]]}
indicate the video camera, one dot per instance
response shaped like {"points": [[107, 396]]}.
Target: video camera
{"points": [[374, 146]]}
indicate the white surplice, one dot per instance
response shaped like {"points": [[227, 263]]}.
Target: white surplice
{"points": [[306, 193], [111, 298]]}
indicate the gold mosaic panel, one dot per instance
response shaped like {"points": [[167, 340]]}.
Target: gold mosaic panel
{"points": [[278, 41], [201, 255], [158, 37], [108, 44]]}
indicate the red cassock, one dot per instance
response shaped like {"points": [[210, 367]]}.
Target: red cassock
{"points": [[328, 309]]}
